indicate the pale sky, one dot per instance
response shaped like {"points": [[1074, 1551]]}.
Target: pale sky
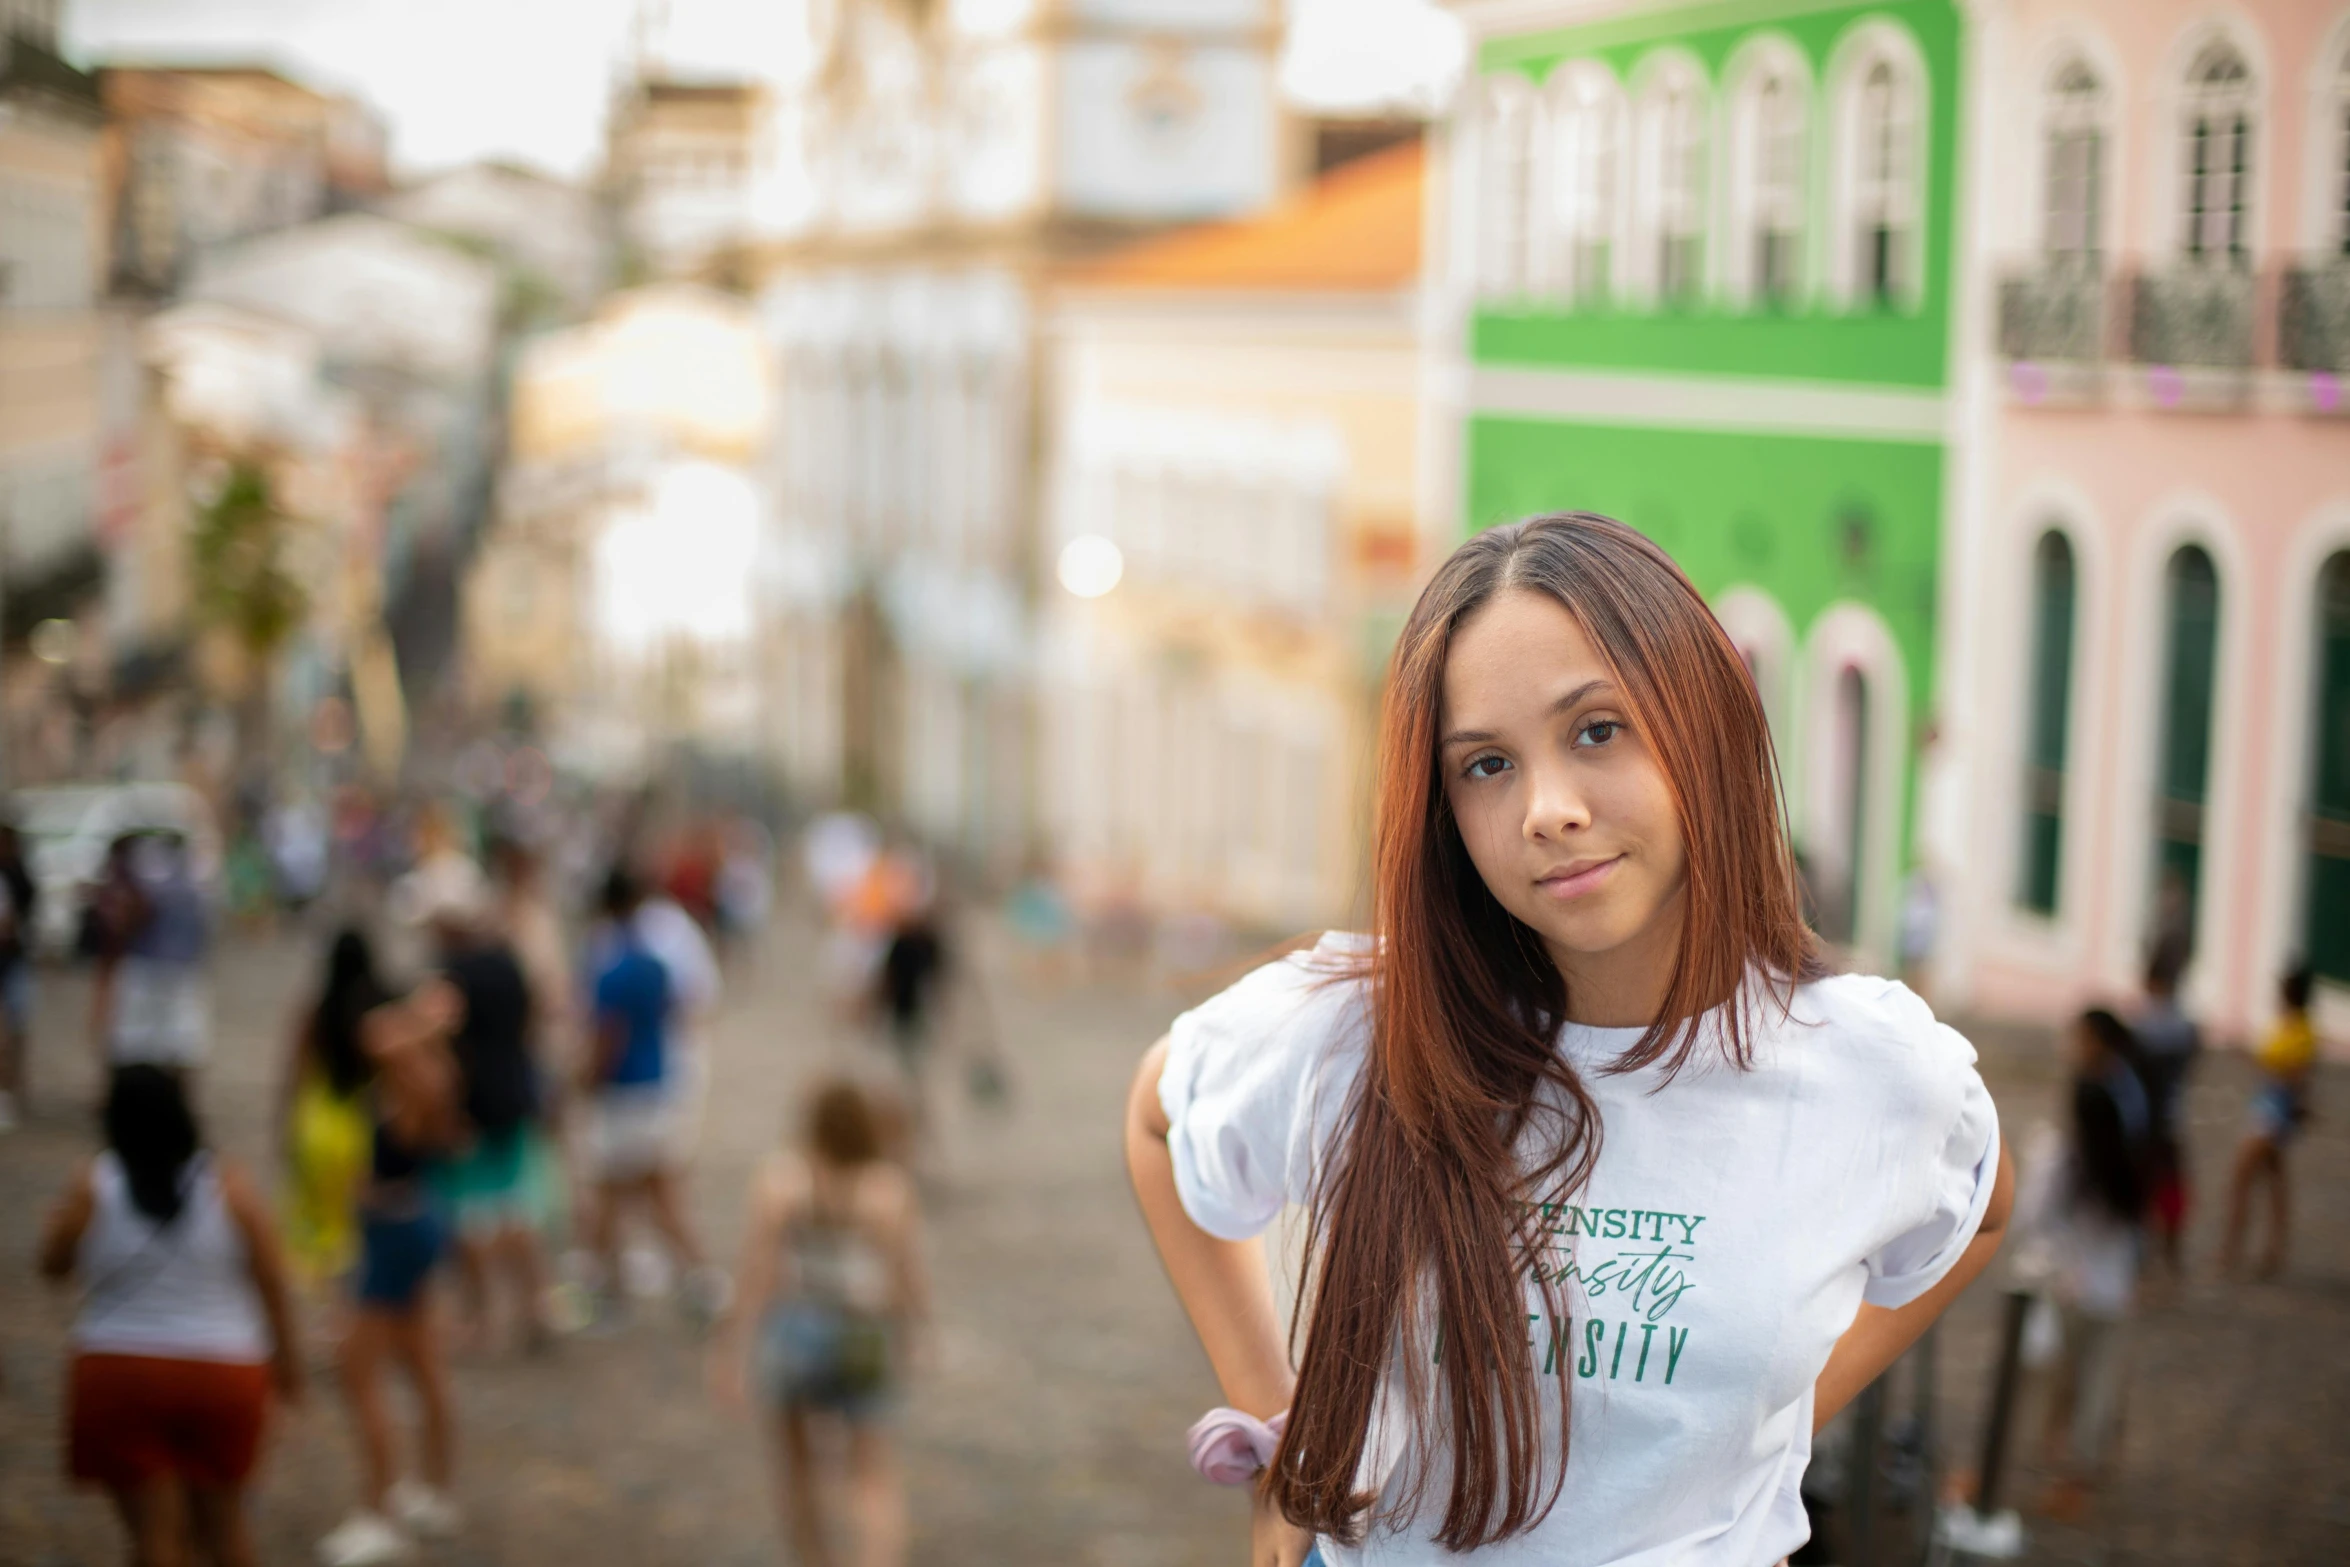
{"points": [[529, 79]]}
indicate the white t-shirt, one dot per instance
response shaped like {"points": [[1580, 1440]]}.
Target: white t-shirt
{"points": [[1731, 1228], [685, 952]]}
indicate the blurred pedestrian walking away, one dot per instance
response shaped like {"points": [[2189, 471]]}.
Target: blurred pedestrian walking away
{"points": [[631, 1076], [2279, 1107], [19, 900], [696, 987], [154, 933], [829, 1291], [417, 1108], [184, 1326], [910, 992], [325, 1126], [2080, 1210], [2168, 1042], [533, 929], [494, 1185]]}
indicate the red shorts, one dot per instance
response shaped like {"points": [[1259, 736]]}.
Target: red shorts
{"points": [[133, 1418]]}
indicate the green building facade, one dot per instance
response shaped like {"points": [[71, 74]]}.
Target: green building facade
{"points": [[1708, 256]]}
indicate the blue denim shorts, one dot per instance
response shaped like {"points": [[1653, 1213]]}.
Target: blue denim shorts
{"points": [[396, 1256], [817, 1357]]}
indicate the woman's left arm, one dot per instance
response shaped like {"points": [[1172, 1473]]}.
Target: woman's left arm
{"points": [[1879, 1334], [61, 1237]]}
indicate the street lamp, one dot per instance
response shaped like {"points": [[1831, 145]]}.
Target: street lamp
{"points": [[1090, 566]]}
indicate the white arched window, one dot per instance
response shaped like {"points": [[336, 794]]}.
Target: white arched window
{"points": [[1507, 124], [1587, 180], [1669, 244], [1876, 257], [2072, 213], [1769, 126], [2215, 155]]}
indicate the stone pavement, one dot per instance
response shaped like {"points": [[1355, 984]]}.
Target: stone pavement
{"points": [[1049, 1428]]}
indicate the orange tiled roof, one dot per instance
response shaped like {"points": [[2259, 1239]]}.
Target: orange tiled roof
{"points": [[1357, 227]]}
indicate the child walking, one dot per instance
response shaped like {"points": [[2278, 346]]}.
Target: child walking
{"points": [[828, 1292]]}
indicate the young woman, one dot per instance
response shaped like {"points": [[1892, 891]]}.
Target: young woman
{"points": [[184, 1325], [417, 1108], [831, 1282], [2287, 1058], [325, 1125], [1615, 1195]]}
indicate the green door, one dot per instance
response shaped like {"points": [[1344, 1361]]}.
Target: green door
{"points": [[2327, 938], [2050, 718], [2184, 762]]}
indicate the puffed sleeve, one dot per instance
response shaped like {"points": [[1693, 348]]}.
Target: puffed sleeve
{"points": [[1255, 1082], [1955, 1165]]}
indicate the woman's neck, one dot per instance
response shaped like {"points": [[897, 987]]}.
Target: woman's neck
{"points": [[1625, 986]]}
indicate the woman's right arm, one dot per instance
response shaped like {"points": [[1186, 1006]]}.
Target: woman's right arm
{"points": [[1225, 1288], [1224, 1285], [408, 1042]]}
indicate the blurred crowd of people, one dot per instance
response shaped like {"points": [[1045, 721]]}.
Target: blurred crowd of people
{"points": [[493, 1088], [496, 1080]]}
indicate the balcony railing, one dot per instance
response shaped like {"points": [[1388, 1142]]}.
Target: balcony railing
{"points": [[2053, 313], [2313, 317], [2194, 316]]}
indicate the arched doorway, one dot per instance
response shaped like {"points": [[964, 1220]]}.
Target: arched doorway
{"points": [[2050, 712], [1839, 855], [2183, 758], [1855, 723], [2326, 933]]}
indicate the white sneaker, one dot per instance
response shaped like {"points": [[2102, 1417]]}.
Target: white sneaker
{"points": [[429, 1513], [364, 1539]]}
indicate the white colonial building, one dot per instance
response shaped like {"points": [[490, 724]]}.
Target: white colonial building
{"points": [[931, 174]]}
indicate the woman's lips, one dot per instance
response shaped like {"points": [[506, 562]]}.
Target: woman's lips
{"points": [[1578, 880]]}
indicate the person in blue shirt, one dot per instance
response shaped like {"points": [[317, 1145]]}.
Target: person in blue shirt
{"points": [[633, 1092]]}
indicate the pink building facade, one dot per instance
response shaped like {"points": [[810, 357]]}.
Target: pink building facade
{"points": [[2146, 725]]}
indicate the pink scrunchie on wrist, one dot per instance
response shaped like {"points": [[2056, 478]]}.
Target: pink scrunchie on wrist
{"points": [[1230, 1448]]}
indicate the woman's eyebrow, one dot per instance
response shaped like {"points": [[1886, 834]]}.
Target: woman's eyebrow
{"points": [[1572, 699], [1581, 694]]}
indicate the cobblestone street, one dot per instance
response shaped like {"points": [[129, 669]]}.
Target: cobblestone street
{"points": [[1049, 1429]]}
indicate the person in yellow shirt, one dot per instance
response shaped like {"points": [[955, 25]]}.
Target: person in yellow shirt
{"points": [[2279, 1107]]}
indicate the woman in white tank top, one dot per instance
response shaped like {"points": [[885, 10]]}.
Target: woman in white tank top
{"points": [[184, 1324]]}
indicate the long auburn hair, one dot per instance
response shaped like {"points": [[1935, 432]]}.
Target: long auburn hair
{"points": [[1425, 1210]]}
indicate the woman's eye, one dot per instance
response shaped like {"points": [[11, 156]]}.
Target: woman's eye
{"points": [[1599, 731], [1485, 766]]}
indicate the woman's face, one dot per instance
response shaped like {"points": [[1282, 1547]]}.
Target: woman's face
{"points": [[1562, 803]]}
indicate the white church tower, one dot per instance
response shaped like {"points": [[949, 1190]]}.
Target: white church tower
{"points": [[929, 114], [938, 163]]}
